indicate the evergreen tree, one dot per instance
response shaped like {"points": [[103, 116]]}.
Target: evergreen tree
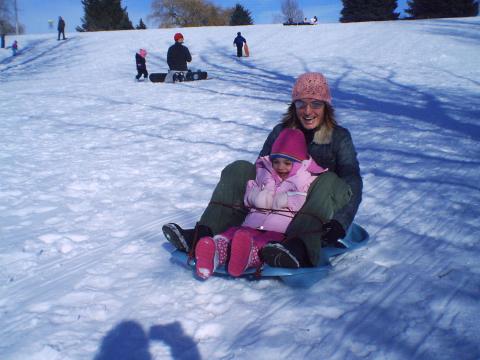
{"points": [[104, 15], [240, 16], [424, 9], [141, 25], [368, 10]]}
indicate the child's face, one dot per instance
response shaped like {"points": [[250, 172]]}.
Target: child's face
{"points": [[282, 166]]}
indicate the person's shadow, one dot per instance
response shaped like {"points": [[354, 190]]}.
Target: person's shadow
{"points": [[128, 341]]}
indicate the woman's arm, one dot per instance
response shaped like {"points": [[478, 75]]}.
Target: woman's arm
{"points": [[348, 169]]}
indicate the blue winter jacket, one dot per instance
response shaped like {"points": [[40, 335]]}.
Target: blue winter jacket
{"points": [[177, 57], [239, 41], [340, 157]]}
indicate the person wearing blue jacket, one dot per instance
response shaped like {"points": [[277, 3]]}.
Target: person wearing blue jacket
{"points": [[178, 55], [314, 226], [238, 42]]}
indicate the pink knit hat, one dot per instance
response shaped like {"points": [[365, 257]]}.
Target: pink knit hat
{"points": [[311, 86], [143, 52], [290, 144]]}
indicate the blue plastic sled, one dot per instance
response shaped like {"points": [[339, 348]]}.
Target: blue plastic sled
{"points": [[356, 237]]}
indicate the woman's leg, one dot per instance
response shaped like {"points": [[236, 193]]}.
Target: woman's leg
{"points": [[226, 207], [327, 194]]}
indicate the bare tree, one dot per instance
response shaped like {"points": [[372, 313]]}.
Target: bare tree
{"points": [[291, 10], [6, 26], [184, 13], [8, 18]]}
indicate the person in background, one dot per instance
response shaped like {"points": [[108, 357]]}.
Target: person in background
{"points": [[61, 28], [315, 225], [238, 42], [140, 59], [14, 48], [178, 56], [314, 20]]}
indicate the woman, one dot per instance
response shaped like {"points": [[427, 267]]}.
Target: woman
{"points": [[332, 200]]}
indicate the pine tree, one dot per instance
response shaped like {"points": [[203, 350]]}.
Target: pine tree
{"points": [[424, 9], [104, 15], [368, 10], [141, 25], [240, 16]]}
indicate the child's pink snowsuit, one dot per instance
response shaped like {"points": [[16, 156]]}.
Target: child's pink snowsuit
{"points": [[274, 202]]}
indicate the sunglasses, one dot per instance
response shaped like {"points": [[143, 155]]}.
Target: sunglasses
{"points": [[315, 104]]}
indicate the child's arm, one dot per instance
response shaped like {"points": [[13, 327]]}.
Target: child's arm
{"points": [[292, 200], [259, 196]]}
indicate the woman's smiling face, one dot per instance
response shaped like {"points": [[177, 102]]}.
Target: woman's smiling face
{"points": [[310, 112]]}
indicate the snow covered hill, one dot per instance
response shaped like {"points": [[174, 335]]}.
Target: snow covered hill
{"points": [[93, 163]]}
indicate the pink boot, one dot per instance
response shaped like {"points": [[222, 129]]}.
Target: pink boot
{"points": [[209, 254], [240, 253], [206, 257]]}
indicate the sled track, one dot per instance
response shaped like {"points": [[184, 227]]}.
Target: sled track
{"points": [[64, 273]]}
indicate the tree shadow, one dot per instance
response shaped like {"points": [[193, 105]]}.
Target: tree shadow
{"points": [[463, 30], [129, 341]]}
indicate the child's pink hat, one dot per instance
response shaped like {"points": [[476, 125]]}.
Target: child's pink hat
{"points": [[290, 144], [143, 52], [311, 85]]}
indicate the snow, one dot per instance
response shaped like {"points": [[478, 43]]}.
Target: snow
{"points": [[93, 163]]}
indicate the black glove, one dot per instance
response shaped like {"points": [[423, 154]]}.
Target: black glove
{"points": [[332, 232]]}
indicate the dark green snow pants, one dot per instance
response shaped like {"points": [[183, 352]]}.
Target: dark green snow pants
{"points": [[327, 194]]}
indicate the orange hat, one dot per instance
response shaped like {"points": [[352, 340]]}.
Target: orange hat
{"points": [[178, 37]]}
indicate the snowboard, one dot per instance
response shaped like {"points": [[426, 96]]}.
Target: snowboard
{"points": [[356, 237], [180, 76]]}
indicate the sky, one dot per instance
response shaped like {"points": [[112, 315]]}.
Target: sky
{"points": [[35, 14], [93, 163]]}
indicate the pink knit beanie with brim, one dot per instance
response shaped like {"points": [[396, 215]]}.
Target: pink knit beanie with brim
{"points": [[290, 144], [311, 86]]}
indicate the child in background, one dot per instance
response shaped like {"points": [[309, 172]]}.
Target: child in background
{"points": [[141, 64], [14, 48], [274, 197]]}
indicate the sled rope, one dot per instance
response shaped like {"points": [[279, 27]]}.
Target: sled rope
{"points": [[279, 212]]}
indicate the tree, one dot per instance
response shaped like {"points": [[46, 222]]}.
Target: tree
{"points": [[240, 16], [424, 9], [7, 25], [368, 10], [104, 15], [141, 25], [185, 13], [291, 11]]}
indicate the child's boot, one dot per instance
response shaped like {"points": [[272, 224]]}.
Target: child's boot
{"points": [[209, 254], [240, 253]]}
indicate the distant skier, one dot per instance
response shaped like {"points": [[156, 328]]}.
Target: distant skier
{"points": [[238, 42], [178, 56], [314, 20], [141, 64], [61, 28], [14, 48]]}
